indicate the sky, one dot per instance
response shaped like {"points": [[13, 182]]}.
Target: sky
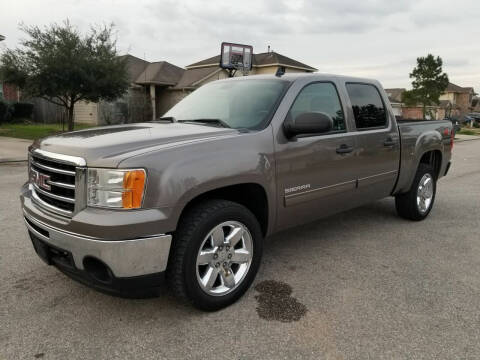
{"points": [[379, 39]]}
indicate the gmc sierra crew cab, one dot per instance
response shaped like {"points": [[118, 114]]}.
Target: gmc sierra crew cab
{"points": [[190, 197]]}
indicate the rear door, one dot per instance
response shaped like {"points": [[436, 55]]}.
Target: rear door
{"points": [[378, 146]]}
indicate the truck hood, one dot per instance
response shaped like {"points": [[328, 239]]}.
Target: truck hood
{"points": [[107, 146]]}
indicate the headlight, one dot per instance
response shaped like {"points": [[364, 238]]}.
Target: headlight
{"points": [[113, 188]]}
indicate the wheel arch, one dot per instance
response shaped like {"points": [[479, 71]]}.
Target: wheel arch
{"points": [[434, 159], [251, 195], [424, 152]]}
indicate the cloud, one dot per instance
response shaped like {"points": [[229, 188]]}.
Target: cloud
{"points": [[375, 38]]}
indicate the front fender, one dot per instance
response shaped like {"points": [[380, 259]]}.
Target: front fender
{"points": [[178, 175]]}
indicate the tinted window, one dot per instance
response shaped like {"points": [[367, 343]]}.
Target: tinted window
{"points": [[367, 106], [320, 97]]}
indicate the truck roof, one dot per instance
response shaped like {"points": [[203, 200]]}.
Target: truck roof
{"points": [[291, 77]]}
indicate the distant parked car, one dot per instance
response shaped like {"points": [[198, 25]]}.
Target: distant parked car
{"points": [[472, 118]]}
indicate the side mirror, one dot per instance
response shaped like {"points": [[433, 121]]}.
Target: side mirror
{"points": [[308, 123]]}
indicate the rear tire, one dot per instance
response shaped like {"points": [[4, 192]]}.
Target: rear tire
{"points": [[417, 203], [202, 268]]}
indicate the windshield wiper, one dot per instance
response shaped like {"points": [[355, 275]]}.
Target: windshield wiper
{"points": [[207, 121], [166, 118]]}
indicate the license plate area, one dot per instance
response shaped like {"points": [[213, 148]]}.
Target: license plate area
{"points": [[51, 254], [41, 249]]}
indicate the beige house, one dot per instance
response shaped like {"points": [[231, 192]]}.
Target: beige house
{"points": [[459, 98], [160, 85], [395, 98], [207, 70], [147, 96]]}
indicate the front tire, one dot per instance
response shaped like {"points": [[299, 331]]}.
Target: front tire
{"points": [[216, 254], [417, 203]]}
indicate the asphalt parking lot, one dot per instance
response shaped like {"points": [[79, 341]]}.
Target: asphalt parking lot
{"points": [[364, 284]]}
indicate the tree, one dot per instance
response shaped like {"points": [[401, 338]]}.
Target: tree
{"points": [[61, 65], [428, 84]]}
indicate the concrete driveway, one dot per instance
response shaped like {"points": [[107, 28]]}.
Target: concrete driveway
{"points": [[364, 284], [12, 149]]}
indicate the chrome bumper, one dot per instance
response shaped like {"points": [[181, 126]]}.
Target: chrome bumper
{"points": [[125, 258]]}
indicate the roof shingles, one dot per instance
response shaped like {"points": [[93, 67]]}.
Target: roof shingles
{"points": [[161, 73], [458, 89], [263, 59], [192, 76]]}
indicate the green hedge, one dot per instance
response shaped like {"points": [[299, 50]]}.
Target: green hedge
{"points": [[22, 110], [5, 112], [19, 110]]}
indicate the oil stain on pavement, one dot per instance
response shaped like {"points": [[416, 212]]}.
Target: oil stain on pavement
{"points": [[275, 302]]}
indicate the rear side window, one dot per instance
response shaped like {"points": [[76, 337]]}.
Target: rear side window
{"points": [[367, 105], [320, 97]]}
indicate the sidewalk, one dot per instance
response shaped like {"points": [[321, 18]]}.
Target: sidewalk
{"points": [[460, 137], [12, 149]]}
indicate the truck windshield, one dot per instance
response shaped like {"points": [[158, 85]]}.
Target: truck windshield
{"points": [[239, 104]]}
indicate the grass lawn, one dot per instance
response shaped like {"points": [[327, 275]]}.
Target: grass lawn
{"points": [[469, 131], [34, 131]]}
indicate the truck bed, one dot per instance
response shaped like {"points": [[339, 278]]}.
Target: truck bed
{"points": [[415, 136]]}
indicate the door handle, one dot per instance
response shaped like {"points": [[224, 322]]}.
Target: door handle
{"points": [[389, 142], [344, 149]]}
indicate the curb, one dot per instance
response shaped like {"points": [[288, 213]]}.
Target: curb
{"points": [[462, 140], [13, 160]]}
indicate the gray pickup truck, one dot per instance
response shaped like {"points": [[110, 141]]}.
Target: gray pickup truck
{"points": [[189, 198]]}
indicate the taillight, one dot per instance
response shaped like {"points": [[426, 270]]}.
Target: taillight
{"points": [[452, 137]]}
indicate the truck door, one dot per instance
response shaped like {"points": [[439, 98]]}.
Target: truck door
{"points": [[377, 154], [314, 171]]}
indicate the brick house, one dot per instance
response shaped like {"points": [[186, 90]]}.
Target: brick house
{"points": [[476, 104], [401, 110], [456, 101], [9, 92]]}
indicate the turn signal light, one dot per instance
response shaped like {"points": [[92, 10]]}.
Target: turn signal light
{"points": [[133, 185]]}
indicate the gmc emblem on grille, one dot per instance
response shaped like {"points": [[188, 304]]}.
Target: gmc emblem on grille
{"points": [[39, 179]]}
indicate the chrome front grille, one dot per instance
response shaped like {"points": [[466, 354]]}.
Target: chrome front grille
{"points": [[57, 181]]}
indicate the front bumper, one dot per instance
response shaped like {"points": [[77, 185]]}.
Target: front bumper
{"points": [[125, 258], [139, 261]]}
